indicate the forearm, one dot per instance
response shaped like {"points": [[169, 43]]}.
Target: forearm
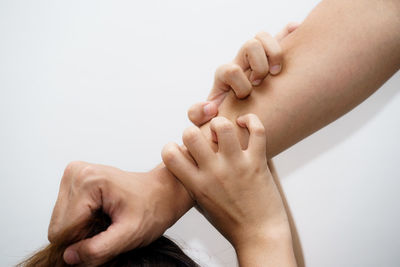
{"points": [[173, 191], [339, 56]]}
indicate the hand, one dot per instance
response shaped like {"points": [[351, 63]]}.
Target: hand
{"points": [[233, 187], [257, 57], [135, 203]]}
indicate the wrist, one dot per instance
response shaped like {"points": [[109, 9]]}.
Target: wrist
{"points": [[261, 234], [270, 246], [177, 200]]}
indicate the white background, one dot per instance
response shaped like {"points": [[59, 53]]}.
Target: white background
{"points": [[110, 82]]}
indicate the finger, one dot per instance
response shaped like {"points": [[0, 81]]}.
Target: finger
{"points": [[178, 163], [101, 247], [81, 199], [253, 56], [289, 28], [57, 220], [273, 51], [227, 77], [79, 211], [197, 145], [228, 142], [257, 139], [202, 112]]}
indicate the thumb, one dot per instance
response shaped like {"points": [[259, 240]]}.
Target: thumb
{"points": [[202, 112], [100, 248]]}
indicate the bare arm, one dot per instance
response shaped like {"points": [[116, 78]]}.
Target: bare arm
{"points": [[342, 53], [339, 56]]}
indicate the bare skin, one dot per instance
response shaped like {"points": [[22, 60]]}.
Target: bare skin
{"points": [[341, 54], [83, 182], [235, 190], [333, 62]]}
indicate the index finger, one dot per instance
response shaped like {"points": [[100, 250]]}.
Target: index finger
{"points": [[57, 217], [257, 139], [273, 51]]}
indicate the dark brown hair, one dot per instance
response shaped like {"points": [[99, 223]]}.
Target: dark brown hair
{"points": [[161, 252]]}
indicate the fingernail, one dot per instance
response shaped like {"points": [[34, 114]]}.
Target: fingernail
{"points": [[208, 109], [275, 69], [71, 257], [256, 82]]}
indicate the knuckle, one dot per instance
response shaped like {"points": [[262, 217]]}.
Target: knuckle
{"points": [[195, 114], [263, 34], [256, 126], [225, 126], [85, 176], [222, 124], [221, 68], [259, 130], [192, 112], [87, 171], [169, 152], [242, 92], [190, 134], [232, 70], [71, 167], [252, 117], [250, 44], [270, 44], [259, 35], [70, 171]]}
